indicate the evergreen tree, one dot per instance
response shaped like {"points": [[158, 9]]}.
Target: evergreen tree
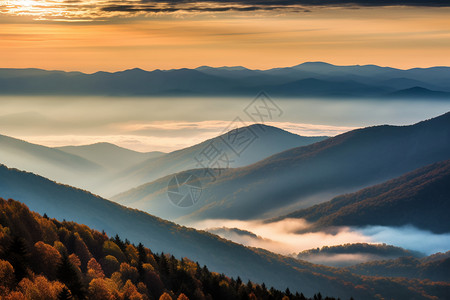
{"points": [[68, 275], [18, 255]]}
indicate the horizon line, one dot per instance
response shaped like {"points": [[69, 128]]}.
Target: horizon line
{"points": [[223, 66]]}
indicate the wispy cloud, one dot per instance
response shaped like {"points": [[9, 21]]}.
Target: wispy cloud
{"points": [[87, 10], [169, 136], [217, 127]]}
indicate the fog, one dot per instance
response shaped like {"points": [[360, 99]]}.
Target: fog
{"points": [[282, 237], [170, 123]]}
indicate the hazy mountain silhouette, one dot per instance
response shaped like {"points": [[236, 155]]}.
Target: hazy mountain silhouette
{"points": [[262, 141], [326, 81], [304, 176], [419, 92], [110, 156], [65, 202], [49, 162], [419, 198], [107, 169]]}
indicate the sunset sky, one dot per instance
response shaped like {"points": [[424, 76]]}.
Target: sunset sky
{"points": [[111, 35]]}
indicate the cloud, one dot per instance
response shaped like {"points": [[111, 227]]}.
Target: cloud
{"points": [[283, 237], [88, 10], [163, 136]]}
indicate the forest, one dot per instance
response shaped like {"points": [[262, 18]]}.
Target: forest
{"points": [[42, 258]]}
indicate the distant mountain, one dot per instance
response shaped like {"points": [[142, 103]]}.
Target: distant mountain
{"points": [[325, 88], [107, 169], [419, 198], [52, 163], [134, 82], [110, 156], [257, 142], [304, 176], [419, 92], [64, 202], [352, 254], [328, 81]]}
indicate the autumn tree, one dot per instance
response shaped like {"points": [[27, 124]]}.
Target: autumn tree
{"points": [[7, 277], [94, 270], [182, 297], [45, 259], [165, 296]]}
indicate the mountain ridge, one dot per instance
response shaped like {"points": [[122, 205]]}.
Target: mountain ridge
{"points": [[416, 198], [374, 81], [341, 164], [65, 202]]}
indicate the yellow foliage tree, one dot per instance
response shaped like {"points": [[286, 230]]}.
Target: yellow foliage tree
{"points": [[182, 297], [94, 269], [165, 296], [40, 288], [6, 277]]}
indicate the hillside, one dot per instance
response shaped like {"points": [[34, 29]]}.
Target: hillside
{"points": [[110, 156], [260, 141], [64, 202], [302, 177], [107, 169], [42, 258], [419, 198], [49, 162]]}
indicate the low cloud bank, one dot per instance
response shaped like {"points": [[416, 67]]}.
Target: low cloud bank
{"points": [[282, 237]]}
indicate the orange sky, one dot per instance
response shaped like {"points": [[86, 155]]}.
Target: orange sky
{"points": [[396, 36]]}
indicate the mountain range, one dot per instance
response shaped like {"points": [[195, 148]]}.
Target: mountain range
{"points": [[107, 169], [311, 79], [67, 203], [281, 172], [418, 198], [304, 176], [259, 142]]}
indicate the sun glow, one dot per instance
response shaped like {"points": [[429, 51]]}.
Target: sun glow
{"points": [[25, 3], [40, 9]]}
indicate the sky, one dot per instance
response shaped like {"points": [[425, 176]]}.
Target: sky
{"points": [[111, 35]]}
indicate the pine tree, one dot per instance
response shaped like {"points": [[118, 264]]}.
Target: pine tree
{"points": [[142, 254], [18, 255], [68, 275]]}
